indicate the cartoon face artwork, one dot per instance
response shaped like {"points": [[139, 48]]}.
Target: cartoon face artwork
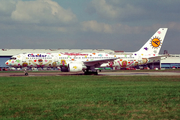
{"points": [[136, 64], [124, 63], [25, 64], [54, 64], [40, 62], [144, 60], [63, 63], [111, 64], [37, 63]]}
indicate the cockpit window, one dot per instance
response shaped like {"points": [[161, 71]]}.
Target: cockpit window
{"points": [[13, 58]]}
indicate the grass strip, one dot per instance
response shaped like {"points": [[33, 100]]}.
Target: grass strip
{"points": [[90, 97]]}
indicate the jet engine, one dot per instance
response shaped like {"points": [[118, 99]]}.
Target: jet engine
{"points": [[73, 67], [76, 67]]}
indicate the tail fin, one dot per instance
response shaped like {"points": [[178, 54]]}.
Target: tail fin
{"points": [[153, 45]]}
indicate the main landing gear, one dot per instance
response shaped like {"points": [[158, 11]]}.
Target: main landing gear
{"points": [[90, 73]]}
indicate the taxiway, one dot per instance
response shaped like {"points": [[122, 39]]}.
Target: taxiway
{"points": [[158, 73]]}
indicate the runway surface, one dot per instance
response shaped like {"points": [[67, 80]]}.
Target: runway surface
{"points": [[136, 73]]}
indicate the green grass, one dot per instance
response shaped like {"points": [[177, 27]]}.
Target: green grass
{"points": [[107, 70], [90, 97]]}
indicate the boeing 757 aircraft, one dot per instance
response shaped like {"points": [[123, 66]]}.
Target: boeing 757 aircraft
{"points": [[90, 62]]}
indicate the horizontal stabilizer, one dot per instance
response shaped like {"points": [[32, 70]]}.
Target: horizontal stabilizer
{"points": [[159, 57]]}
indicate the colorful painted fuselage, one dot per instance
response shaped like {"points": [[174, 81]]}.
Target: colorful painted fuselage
{"points": [[63, 59]]}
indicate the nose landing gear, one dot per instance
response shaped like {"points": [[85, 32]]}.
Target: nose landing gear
{"points": [[26, 73]]}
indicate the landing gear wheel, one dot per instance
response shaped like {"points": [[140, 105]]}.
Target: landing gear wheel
{"points": [[26, 74], [90, 73], [85, 73], [94, 73]]}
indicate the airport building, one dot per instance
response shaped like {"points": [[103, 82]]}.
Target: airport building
{"points": [[172, 61]]}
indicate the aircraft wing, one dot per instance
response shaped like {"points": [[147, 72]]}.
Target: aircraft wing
{"points": [[98, 62], [159, 57]]}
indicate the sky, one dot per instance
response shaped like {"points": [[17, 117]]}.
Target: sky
{"points": [[88, 24]]}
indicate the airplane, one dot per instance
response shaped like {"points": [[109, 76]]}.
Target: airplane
{"points": [[90, 62]]}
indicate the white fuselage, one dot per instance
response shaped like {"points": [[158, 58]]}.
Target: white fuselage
{"points": [[45, 60]]}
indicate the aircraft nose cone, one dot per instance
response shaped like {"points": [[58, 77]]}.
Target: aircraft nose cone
{"points": [[7, 63]]}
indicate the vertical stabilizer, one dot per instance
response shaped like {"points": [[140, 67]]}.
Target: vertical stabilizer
{"points": [[153, 45]]}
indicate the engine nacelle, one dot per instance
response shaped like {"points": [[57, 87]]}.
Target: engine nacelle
{"points": [[76, 67], [73, 67]]}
